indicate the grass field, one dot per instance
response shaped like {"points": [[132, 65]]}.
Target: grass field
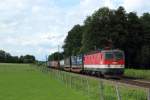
{"points": [[95, 91], [25, 82], [138, 73], [109, 90]]}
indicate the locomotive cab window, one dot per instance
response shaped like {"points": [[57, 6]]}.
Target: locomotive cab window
{"points": [[108, 56], [118, 55]]}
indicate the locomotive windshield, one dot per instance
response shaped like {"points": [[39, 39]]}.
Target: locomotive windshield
{"points": [[108, 56], [118, 55]]}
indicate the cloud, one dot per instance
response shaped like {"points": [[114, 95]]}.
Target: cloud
{"points": [[139, 6], [78, 13], [31, 27], [39, 26], [39, 44]]}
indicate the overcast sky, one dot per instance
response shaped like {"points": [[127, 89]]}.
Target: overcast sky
{"points": [[38, 26]]}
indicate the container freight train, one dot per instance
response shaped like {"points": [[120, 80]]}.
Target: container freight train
{"points": [[104, 62]]}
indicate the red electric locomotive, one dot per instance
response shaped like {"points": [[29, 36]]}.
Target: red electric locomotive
{"points": [[105, 62]]}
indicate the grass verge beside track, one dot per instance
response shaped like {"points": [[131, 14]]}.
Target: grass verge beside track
{"points": [[138, 73], [96, 89], [25, 82]]}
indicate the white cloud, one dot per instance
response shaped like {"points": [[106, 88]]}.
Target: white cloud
{"points": [[12, 4], [39, 26], [40, 44], [139, 6], [79, 13]]}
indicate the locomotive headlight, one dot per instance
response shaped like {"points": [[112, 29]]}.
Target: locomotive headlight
{"points": [[114, 62]]}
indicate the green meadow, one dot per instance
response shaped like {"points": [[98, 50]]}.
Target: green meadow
{"points": [[25, 82], [106, 90], [138, 73], [29, 82]]}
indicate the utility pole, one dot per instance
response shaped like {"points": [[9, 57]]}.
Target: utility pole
{"points": [[95, 47], [82, 61], [46, 58], [58, 58], [5, 57]]}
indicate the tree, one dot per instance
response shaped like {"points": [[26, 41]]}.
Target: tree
{"points": [[145, 51], [116, 29], [21, 58], [28, 59], [8, 58], [73, 40], [106, 27], [133, 40], [2, 56], [96, 30], [56, 56]]}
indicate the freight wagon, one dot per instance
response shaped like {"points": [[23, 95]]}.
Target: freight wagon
{"points": [[53, 64]]}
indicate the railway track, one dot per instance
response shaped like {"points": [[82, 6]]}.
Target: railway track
{"points": [[129, 81], [135, 82], [125, 80]]}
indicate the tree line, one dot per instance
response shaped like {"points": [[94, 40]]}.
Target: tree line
{"points": [[8, 58], [116, 28], [56, 56]]}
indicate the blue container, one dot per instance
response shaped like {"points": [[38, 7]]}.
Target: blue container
{"points": [[76, 60]]}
